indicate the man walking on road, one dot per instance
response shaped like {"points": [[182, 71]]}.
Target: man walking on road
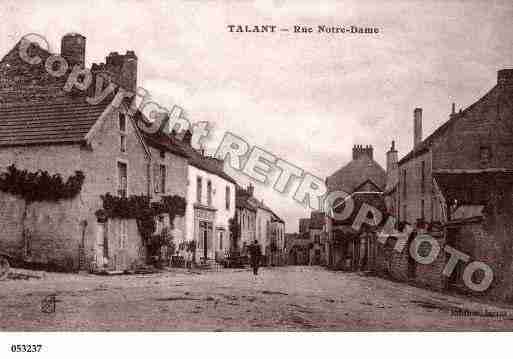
{"points": [[254, 254]]}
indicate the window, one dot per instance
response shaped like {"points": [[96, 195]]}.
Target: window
{"points": [[404, 183], [123, 233], [220, 240], [422, 177], [404, 213], [159, 224], [162, 179], [422, 209], [122, 179], [227, 198], [209, 193], [156, 177], [28, 246], [122, 123], [122, 129], [199, 188], [148, 178], [486, 155], [122, 143]]}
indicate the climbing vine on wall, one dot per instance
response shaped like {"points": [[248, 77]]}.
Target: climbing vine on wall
{"points": [[139, 207], [40, 186]]}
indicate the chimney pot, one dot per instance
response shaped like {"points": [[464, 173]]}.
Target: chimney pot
{"points": [[73, 49], [417, 126]]}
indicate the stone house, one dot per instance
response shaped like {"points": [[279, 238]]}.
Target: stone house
{"points": [[277, 252], [210, 204], [264, 217], [246, 215], [297, 249], [259, 222], [43, 127], [317, 234], [167, 176], [456, 186], [363, 179]]}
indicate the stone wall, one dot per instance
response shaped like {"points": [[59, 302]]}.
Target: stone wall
{"points": [[45, 233]]}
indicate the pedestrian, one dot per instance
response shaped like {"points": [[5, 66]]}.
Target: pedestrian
{"points": [[255, 253]]}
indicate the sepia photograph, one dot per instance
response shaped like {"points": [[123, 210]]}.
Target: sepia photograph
{"points": [[284, 171]]}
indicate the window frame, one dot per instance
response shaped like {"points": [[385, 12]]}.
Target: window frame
{"points": [[123, 131], [119, 184], [209, 192], [227, 198], [199, 189], [162, 177]]}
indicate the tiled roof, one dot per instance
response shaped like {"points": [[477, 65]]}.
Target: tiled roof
{"points": [[352, 175], [163, 142], [426, 144], [47, 122], [208, 164]]}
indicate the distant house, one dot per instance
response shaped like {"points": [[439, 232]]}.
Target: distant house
{"points": [[259, 222], [362, 179], [277, 244], [246, 215]]}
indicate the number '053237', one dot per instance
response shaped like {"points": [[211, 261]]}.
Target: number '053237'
{"points": [[26, 348]]}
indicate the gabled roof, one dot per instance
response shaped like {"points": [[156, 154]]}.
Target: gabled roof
{"points": [[275, 218], [374, 199], [355, 173], [207, 164], [243, 202], [163, 142], [48, 122], [426, 144]]}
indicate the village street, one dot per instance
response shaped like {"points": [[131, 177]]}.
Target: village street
{"points": [[284, 298]]}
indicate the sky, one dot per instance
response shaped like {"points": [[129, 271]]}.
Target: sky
{"points": [[306, 98]]}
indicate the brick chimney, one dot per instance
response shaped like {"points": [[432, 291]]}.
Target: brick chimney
{"points": [[391, 158], [360, 151], [124, 69], [73, 49], [129, 71], [505, 76], [417, 126]]}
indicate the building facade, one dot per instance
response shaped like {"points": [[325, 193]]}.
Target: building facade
{"points": [[246, 216], [362, 179], [44, 128], [456, 186], [210, 206]]}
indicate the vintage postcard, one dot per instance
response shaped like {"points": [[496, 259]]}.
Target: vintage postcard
{"points": [[255, 166]]}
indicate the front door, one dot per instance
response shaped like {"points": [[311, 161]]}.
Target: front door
{"points": [[205, 242], [205, 236]]}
